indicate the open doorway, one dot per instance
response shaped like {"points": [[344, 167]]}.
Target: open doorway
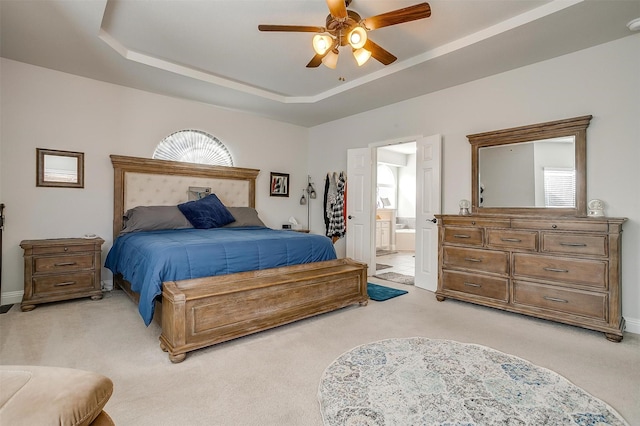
{"points": [[396, 212]]}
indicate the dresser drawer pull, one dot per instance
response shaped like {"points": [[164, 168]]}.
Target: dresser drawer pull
{"points": [[471, 259], [555, 270], [472, 285], [461, 236], [573, 244], [65, 264], [511, 240], [555, 299], [64, 284]]}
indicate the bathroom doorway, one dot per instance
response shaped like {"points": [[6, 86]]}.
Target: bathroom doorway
{"points": [[396, 212]]}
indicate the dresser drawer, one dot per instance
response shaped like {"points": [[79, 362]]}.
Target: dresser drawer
{"points": [[479, 285], [459, 235], [48, 284], [496, 262], [503, 238], [553, 242], [562, 300], [478, 221], [591, 273], [561, 224], [63, 263], [62, 249]]}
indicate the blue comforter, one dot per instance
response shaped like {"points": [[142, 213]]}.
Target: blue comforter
{"points": [[147, 259]]}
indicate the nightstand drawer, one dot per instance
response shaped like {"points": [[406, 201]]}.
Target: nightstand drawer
{"points": [[574, 243], [493, 288], [63, 248], [48, 284], [591, 273], [63, 263], [559, 299]]}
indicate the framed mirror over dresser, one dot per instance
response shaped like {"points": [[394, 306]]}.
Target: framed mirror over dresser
{"points": [[528, 245]]}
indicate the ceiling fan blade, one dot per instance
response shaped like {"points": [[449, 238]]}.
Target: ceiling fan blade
{"points": [[292, 28], [315, 61], [337, 8], [408, 14], [379, 53]]}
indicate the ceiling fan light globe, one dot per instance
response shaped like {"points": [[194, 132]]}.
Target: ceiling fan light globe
{"points": [[331, 59], [322, 43], [358, 37], [361, 56]]}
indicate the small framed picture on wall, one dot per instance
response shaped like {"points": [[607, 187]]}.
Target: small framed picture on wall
{"points": [[279, 184]]}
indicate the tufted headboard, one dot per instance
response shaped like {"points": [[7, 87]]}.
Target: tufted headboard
{"points": [[148, 182]]}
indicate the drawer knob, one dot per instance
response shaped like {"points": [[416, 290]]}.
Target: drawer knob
{"points": [[66, 249], [554, 226], [555, 299], [473, 222]]}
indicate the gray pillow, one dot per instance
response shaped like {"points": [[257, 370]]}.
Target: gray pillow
{"points": [[153, 218], [244, 216]]}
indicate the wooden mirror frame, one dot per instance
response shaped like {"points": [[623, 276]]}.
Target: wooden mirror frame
{"points": [[576, 127], [40, 174]]}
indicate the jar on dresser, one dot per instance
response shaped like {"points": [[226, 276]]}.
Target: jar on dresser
{"points": [[565, 269], [61, 269]]}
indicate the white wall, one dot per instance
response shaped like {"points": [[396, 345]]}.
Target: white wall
{"points": [[42, 108], [603, 81]]}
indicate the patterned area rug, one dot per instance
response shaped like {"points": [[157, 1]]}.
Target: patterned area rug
{"points": [[380, 266], [420, 381], [396, 278]]}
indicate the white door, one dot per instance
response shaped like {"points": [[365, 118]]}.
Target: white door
{"points": [[359, 205], [428, 204]]}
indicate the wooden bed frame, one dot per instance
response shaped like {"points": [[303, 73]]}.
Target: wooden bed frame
{"points": [[201, 312]]}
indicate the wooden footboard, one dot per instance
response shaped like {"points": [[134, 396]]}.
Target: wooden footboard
{"points": [[202, 312]]}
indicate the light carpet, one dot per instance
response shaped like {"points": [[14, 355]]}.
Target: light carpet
{"points": [[396, 278], [420, 381]]}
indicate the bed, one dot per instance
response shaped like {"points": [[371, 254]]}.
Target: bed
{"points": [[228, 302]]}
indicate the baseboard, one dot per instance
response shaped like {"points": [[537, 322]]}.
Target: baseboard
{"points": [[633, 325], [11, 297]]}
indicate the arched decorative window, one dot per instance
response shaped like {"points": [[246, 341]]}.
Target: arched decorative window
{"points": [[193, 146], [386, 187]]}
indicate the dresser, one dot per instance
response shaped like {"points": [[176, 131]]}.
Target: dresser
{"points": [[562, 269], [61, 269]]}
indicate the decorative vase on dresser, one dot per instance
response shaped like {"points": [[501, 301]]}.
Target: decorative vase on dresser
{"points": [[528, 245], [61, 269]]}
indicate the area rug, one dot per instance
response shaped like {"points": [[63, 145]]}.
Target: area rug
{"points": [[420, 381], [380, 266], [380, 293], [381, 252], [396, 278]]}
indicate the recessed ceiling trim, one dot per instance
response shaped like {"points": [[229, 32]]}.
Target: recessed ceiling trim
{"points": [[522, 19]]}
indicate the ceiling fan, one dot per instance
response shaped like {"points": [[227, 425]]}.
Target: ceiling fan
{"points": [[345, 27]]}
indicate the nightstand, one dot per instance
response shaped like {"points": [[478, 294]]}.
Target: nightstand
{"points": [[61, 269]]}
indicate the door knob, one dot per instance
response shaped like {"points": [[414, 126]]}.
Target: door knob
{"points": [[434, 220], [350, 217]]}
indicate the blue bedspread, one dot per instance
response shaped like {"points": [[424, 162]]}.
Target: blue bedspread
{"points": [[147, 259]]}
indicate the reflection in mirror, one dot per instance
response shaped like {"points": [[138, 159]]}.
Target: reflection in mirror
{"points": [[60, 168], [528, 174]]}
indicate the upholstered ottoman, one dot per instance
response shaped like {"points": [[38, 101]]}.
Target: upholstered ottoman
{"points": [[32, 395]]}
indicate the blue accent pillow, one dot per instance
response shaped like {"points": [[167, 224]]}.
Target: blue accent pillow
{"points": [[207, 212]]}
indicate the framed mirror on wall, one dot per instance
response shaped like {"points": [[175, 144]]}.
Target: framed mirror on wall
{"points": [[62, 169], [537, 169]]}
